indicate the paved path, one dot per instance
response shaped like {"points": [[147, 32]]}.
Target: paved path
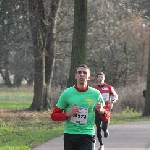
{"points": [[130, 136]]}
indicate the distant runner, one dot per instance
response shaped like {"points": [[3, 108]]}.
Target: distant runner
{"points": [[109, 96]]}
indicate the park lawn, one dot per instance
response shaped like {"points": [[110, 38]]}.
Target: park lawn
{"points": [[14, 105], [21, 129]]}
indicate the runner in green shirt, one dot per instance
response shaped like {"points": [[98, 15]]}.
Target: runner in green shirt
{"points": [[76, 106]]}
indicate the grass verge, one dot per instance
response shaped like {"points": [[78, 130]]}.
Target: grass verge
{"points": [[128, 115], [23, 130]]}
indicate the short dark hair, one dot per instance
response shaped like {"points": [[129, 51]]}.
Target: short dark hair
{"points": [[100, 73], [83, 65]]}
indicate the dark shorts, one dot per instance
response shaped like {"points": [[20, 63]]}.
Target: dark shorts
{"points": [[78, 141]]}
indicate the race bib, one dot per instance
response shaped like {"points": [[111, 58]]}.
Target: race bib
{"points": [[105, 96], [81, 117]]}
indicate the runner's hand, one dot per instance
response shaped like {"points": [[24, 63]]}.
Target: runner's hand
{"points": [[99, 109], [98, 106], [73, 111]]}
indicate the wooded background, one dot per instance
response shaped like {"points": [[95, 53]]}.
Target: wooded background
{"points": [[117, 41]]}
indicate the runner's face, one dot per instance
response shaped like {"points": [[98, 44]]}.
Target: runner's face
{"points": [[82, 75], [101, 78]]}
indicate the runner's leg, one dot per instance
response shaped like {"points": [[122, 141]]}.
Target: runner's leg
{"points": [[78, 142], [105, 124], [69, 142], [85, 142], [98, 122]]}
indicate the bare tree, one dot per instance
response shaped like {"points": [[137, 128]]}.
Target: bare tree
{"points": [[147, 95], [43, 21], [79, 43]]}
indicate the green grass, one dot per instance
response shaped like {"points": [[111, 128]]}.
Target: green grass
{"points": [[128, 115], [26, 137], [26, 133], [16, 99], [16, 96], [14, 105], [23, 130]]}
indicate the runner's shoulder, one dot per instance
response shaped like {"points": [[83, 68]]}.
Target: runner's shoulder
{"points": [[94, 90], [69, 89], [108, 85]]}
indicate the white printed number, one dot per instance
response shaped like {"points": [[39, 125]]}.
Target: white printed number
{"points": [[80, 117]]}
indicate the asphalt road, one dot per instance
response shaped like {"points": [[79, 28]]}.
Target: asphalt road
{"points": [[129, 136]]}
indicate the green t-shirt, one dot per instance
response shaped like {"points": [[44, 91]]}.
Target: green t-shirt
{"points": [[84, 121]]}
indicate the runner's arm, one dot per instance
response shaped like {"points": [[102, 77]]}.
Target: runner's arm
{"points": [[58, 114], [114, 95]]}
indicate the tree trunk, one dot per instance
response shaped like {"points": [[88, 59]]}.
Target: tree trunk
{"points": [[6, 78], [126, 65], [42, 28], [17, 80], [50, 51], [147, 99], [79, 42]]}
